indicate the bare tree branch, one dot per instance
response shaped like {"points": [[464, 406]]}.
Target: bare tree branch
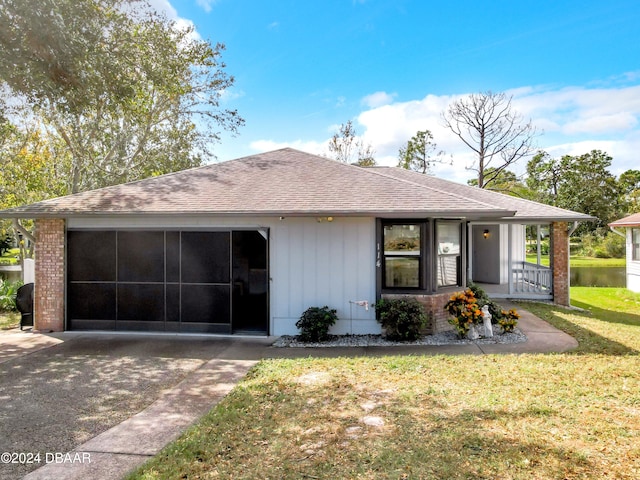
{"points": [[487, 124]]}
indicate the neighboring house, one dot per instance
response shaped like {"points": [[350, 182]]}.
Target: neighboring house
{"points": [[632, 226], [245, 246]]}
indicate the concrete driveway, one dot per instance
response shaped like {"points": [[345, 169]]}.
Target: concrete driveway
{"points": [[127, 396]]}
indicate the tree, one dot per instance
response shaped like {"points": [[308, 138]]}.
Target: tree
{"points": [[629, 183], [129, 95], [487, 124], [544, 175], [345, 146], [419, 154], [581, 183], [506, 182]]}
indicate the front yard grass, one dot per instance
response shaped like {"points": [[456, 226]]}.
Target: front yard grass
{"points": [[582, 261], [564, 416], [9, 320]]}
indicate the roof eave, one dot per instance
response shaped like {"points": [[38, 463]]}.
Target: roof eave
{"points": [[390, 213]]}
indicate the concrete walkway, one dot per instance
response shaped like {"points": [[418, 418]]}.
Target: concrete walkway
{"points": [[118, 450]]}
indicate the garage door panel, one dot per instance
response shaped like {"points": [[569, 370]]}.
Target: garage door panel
{"points": [[173, 256], [177, 281], [92, 301], [91, 256], [140, 302], [205, 257], [206, 304], [141, 256], [173, 302]]}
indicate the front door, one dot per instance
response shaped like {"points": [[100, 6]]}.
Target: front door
{"points": [[486, 254]]}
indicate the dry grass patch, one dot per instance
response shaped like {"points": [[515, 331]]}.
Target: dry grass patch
{"points": [[566, 416], [536, 416], [9, 320]]}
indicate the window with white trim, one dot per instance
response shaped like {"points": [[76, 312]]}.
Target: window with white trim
{"points": [[635, 244]]}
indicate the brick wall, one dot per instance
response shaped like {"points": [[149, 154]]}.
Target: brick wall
{"points": [[560, 256], [434, 306], [49, 281]]}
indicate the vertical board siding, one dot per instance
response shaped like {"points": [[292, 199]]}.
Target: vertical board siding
{"points": [[327, 263]]}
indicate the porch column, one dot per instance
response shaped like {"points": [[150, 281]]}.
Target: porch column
{"points": [[560, 262], [48, 312]]}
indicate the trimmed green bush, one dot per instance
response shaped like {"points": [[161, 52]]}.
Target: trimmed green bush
{"points": [[315, 322], [402, 318], [483, 299], [8, 291]]}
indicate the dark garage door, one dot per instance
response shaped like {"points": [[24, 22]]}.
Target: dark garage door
{"points": [[175, 281]]}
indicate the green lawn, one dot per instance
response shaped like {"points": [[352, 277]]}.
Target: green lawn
{"points": [[9, 320], [10, 257], [582, 261], [562, 416]]}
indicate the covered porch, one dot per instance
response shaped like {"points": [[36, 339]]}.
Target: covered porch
{"points": [[516, 260]]}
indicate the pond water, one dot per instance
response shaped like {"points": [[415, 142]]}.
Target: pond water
{"points": [[598, 277]]}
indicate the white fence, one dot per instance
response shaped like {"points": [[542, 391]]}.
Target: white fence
{"points": [[532, 278]]}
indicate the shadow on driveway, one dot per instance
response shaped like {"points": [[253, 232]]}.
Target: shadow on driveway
{"points": [[59, 394]]}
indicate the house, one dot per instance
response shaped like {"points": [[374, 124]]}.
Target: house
{"points": [[245, 246], [631, 224]]}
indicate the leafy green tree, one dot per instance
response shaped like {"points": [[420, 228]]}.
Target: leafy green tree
{"points": [[629, 183], [130, 95], [581, 183], [488, 125], [544, 175], [420, 153], [345, 146], [506, 182]]}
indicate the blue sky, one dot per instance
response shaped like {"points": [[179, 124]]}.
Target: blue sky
{"points": [[392, 66]]}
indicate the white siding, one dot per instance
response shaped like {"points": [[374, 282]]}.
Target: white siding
{"points": [[328, 263], [311, 263], [513, 234], [633, 267]]}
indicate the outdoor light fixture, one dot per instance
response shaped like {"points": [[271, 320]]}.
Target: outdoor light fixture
{"points": [[485, 234], [322, 219]]}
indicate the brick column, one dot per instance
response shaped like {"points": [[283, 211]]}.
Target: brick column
{"points": [[560, 262], [49, 281]]}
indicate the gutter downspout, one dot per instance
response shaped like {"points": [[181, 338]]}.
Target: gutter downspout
{"points": [[574, 228], [617, 232]]}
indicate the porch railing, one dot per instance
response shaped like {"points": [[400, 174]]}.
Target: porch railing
{"points": [[531, 278]]}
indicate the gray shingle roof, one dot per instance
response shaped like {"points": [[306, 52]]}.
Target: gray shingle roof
{"points": [[526, 210], [286, 182], [630, 221]]}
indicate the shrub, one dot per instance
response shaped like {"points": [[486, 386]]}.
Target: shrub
{"points": [[401, 318], [315, 322], [464, 310], [8, 291], [483, 299], [614, 245], [509, 320]]}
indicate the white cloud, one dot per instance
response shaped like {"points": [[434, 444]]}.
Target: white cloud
{"points": [[164, 6], [378, 99], [206, 5], [273, 25], [574, 121], [229, 94], [602, 124]]}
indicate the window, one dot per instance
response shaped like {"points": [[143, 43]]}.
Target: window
{"points": [[420, 255], [402, 255], [635, 244], [448, 243]]}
